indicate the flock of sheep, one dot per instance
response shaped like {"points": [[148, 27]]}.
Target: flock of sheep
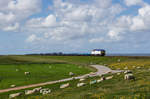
{"points": [[127, 76]]}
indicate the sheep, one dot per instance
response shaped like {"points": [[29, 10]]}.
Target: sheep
{"points": [[64, 85], [26, 73], [93, 82], [138, 67], [118, 60], [45, 91], [99, 80], [71, 74], [129, 77], [110, 77], [81, 79], [12, 86], [80, 84], [28, 92], [118, 73], [15, 95]]}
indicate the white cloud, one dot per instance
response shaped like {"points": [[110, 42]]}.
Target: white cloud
{"points": [[98, 40], [138, 24], [74, 21], [25, 7], [31, 38], [10, 17], [114, 34], [103, 3], [133, 2], [12, 28], [49, 21], [16, 11]]}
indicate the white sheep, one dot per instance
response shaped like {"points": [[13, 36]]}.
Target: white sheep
{"points": [[15, 95], [129, 77], [26, 73], [64, 85], [80, 84], [28, 92]]}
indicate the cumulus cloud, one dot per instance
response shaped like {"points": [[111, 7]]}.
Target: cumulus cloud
{"points": [[12, 27], [14, 12], [74, 21], [31, 38], [133, 2]]}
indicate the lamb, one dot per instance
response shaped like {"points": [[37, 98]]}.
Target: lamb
{"points": [[129, 77], [80, 84], [99, 80], [15, 95], [12, 86], [93, 82], [45, 91], [64, 85], [26, 73], [28, 92], [71, 74], [81, 79], [110, 77]]}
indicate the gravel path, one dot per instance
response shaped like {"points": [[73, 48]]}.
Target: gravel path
{"points": [[100, 71]]}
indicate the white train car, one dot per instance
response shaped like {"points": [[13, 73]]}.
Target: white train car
{"points": [[98, 52]]}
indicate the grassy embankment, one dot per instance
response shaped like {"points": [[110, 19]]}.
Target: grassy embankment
{"points": [[116, 88], [41, 70]]}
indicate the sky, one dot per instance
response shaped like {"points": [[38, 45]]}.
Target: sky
{"points": [[74, 26]]}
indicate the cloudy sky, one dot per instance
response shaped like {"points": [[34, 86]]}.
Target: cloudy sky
{"points": [[34, 26]]}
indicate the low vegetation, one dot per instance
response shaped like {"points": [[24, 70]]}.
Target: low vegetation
{"points": [[115, 88]]}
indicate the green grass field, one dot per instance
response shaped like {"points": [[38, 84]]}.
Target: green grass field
{"points": [[116, 88], [14, 74]]}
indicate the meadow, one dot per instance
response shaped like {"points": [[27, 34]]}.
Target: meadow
{"points": [[116, 88]]}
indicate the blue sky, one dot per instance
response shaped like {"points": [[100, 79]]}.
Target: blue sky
{"points": [[42, 26]]}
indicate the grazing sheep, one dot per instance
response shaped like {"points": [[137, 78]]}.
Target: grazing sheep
{"points": [[129, 77], [64, 85], [81, 79], [99, 80], [118, 60], [71, 74], [12, 86], [28, 92], [45, 91], [26, 73], [15, 95], [80, 84], [138, 67], [110, 77], [93, 82], [118, 73], [127, 72]]}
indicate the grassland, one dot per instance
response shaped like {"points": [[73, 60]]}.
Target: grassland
{"points": [[116, 88]]}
